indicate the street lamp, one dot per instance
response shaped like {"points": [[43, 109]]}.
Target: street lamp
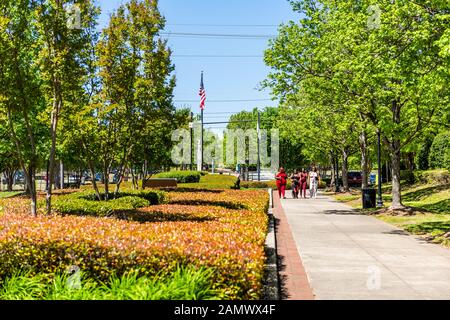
{"points": [[380, 198]]}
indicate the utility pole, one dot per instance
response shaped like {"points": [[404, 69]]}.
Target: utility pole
{"points": [[191, 126], [61, 166], [380, 197], [258, 130]]}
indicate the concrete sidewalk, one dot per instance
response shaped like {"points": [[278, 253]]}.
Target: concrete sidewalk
{"points": [[351, 256]]}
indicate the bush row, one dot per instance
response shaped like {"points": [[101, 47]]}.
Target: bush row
{"points": [[181, 176], [230, 241], [86, 203], [428, 177], [253, 200]]}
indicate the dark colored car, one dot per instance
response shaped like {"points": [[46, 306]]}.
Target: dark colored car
{"points": [[354, 179]]}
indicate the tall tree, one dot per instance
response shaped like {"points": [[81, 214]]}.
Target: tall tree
{"points": [[392, 73], [21, 101], [137, 84], [63, 45]]}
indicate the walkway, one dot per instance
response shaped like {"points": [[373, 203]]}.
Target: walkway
{"points": [[350, 256]]}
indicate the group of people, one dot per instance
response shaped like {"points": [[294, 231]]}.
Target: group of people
{"points": [[300, 180]]}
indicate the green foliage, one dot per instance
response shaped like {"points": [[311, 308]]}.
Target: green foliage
{"points": [[181, 176], [86, 203], [185, 283], [339, 75], [433, 177], [423, 152], [212, 181], [439, 156], [254, 185]]}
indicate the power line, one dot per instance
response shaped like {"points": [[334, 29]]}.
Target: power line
{"points": [[219, 35], [222, 25], [216, 56], [224, 101]]}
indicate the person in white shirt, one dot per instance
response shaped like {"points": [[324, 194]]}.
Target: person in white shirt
{"points": [[313, 182]]}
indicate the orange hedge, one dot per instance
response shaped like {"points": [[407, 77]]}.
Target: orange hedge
{"points": [[151, 240]]}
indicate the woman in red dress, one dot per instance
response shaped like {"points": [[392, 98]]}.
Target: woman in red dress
{"points": [[303, 183], [281, 178]]}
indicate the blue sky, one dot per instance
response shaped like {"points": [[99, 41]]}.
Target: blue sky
{"points": [[226, 78]]}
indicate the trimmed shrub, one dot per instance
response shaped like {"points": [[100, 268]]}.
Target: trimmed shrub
{"points": [[181, 176], [213, 181], [86, 203], [231, 242], [439, 157], [254, 185], [273, 184], [432, 176]]}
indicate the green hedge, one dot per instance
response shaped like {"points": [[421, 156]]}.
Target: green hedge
{"points": [[181, 176], [432, 176], [254, 185], [439, 157], [86, 203]]}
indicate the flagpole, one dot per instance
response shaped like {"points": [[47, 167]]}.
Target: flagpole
{"points": [[201, 140], [201, 135]]}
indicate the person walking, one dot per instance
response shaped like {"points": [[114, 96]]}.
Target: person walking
{"points": [[303, 183], [281, 178], [295, 183], [313, 182]]}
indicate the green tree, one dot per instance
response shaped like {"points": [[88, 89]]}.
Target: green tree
{"points": [[391, 73], [62, 47], [21, 100], [136, 88]]}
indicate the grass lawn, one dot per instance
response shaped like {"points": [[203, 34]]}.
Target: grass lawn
{"points": [[429, 225], [431, 219]]}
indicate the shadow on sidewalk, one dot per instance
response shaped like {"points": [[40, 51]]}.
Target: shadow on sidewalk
{"points": [[281, 266], [342, 212]]}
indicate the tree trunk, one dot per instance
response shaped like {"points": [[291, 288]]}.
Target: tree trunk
{"points": [[10, 179], [32, 190], [133, 180], [345, 170], [19, 148], [94, 183], [106, 180], [395, 172], [333, 172], [364, 159], [144, 174], [395, 160], [119, 182], [54, 126]]}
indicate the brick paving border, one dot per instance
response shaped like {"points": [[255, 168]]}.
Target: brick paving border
{"points": [[293, 281]]}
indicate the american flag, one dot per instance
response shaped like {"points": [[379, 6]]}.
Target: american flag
{"points": [[202, 94]]}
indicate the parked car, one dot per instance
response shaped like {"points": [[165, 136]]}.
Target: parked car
{"points": [[354, 178]]}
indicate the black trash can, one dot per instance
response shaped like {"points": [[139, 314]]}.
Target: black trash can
{"points": [[369, 196]]}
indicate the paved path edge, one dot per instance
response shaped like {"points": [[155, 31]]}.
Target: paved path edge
{"points": [[293, 280]]}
